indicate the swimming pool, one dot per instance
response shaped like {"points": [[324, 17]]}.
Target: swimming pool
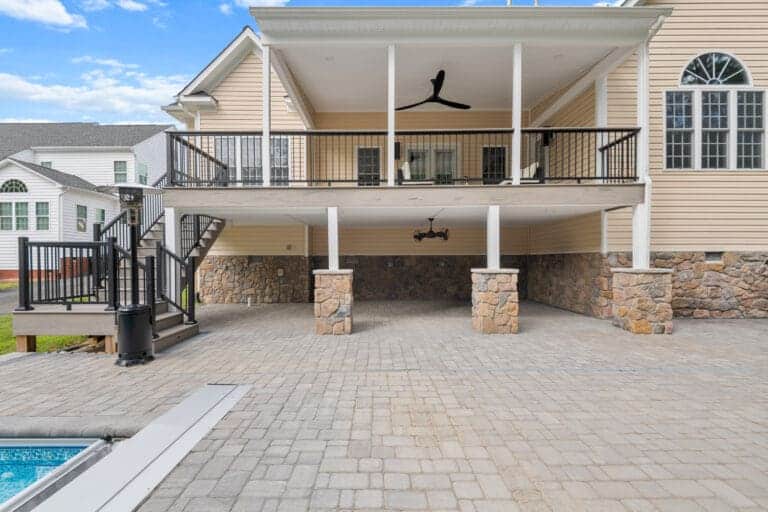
{"points": [[27, 467]]}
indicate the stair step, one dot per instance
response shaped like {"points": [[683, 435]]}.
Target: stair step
{"points": [[176, 334], [168, 319]]}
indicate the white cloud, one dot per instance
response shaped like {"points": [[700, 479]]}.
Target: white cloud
{"points": [[129, 95], [5, 50], [261, 3], [110, 63], [612, 3], [48, 12], [131, 5], [225, 9], [95, 5], [468, 3], [23, 120]]}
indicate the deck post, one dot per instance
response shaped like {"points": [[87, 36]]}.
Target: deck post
{"points": [[641, 213], [333, 238], [266, 111], [26, 343], [601, 120], [517, 111], [492, 233], [24, 277], [391, 115]]}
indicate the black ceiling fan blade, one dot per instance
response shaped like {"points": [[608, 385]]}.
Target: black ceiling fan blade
{"points": [[406, 107], [452, 104], [437, 83]]}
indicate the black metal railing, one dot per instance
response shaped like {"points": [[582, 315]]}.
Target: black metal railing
{"points": [[192, 228], [424, 157], [605, 155], [152, 205], [175, 281]]}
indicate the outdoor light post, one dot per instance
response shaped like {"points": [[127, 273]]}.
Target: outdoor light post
{"points": [[134, 334]]}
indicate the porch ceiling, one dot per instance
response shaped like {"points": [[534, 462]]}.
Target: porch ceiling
{"points": [[348, 79]]}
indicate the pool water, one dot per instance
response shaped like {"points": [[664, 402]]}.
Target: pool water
{"points": [[21, 466]]}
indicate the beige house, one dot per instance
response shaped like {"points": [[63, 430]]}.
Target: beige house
{"points": [[596, 139]]}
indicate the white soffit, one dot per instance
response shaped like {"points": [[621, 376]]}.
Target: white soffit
{"points": [[350, 79], [470, 25]]}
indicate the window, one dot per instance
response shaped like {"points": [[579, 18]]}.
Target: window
{"points": [[250, 159], [419, 164], [121, 171], [42, 216], [224, 150], [280, 161], [22, 216], [679, 130], [13, 185], [750, 111], [82, 218], [101, 215], [6, 216], [368, 166], [715, 120], [141, 173], [445, 166], [47, 164], [494, 164], [438, 163]]}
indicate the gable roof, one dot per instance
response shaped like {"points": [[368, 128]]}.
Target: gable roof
{"points": [[198, 90], [62, 178], [15, 137]]}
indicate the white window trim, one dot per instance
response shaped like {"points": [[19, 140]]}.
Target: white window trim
{"points": [[715, 50], [290, 161], [697, 127], [77, 217], [43, 216], [381, 158], [507, 159], [431, 147]]}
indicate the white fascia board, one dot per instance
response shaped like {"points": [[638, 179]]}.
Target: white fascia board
{"points": [[83, 149], [6, 162], [477, 25]]}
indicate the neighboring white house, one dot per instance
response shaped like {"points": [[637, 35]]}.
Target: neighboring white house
{"points": [[51, 174]]}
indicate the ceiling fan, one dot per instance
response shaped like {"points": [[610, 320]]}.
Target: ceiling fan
{"points": [[437, 86], [421, 235]]}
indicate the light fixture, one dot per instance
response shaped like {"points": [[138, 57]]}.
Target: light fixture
{"points": [[421, 235]]}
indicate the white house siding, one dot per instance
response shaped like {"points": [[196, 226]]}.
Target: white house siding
{"points": [[39, 189], [93, 201], [152, 152], [94, 166]]}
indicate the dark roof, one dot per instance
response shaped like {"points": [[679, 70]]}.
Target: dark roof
{"points": [[15, 137], [62, 178]]}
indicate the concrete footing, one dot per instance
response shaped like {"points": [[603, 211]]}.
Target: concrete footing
{"points": [[642, 300], [333, 301], [495, 302]]}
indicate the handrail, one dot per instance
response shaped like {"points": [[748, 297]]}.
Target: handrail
{"points": [[619, 141]]}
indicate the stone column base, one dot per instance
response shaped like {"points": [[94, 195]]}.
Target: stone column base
{"points": [[642, 300], [495, 301], [333, 301]]}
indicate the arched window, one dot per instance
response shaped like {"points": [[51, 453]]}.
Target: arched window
{"points": [[13, 185], [715, 119], [715, 68]]}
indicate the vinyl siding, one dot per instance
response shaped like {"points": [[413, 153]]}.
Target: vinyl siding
{"points": [[39, 189], [152, 153], [572, 235], [697, 210], [69, 202], [246, 240], [94, 166], [239, 101]]}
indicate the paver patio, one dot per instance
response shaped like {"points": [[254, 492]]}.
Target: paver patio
{"points": [[415, 411]]}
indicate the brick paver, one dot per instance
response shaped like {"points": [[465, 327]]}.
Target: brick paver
{"points": [[415, 411]]}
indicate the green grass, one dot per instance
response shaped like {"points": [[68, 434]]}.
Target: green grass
{"points": [[8, 285], [44, 343]]}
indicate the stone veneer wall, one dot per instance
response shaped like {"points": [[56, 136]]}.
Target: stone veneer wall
{"points": [[265, 279], [495, 303], [642, 300], [737, 287], [576, 282], [333, 301], [417, 277]]}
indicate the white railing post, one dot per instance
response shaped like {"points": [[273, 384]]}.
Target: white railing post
{"points": [[333, 238], [266, 116], [391, 115], [601, 120], [238, 161], [517, 110], [493, 238], [641, 213]]}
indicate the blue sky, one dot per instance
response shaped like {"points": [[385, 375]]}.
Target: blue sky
{"points": [[119, 60]]}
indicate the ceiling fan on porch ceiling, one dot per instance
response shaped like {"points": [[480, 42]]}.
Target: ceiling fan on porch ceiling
{"points": [[437, 86]]}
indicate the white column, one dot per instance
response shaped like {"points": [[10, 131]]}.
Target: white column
{"points": [[266, 115], [172, 226], [238, 161], [641, 213], [333, 238], [493, 237], [517, 110], [391, 115], [601, 119]]}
